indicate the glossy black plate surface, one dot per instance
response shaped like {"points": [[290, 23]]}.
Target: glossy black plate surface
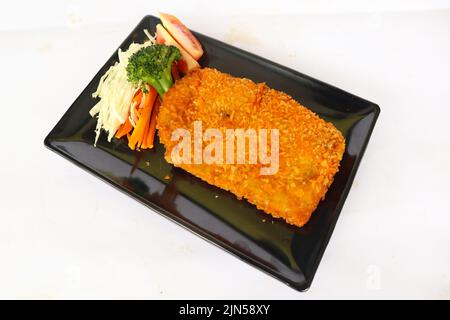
{"points": [[286, 252]]}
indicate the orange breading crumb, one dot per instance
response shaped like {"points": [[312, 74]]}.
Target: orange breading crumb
{"points": [[310, 149]]}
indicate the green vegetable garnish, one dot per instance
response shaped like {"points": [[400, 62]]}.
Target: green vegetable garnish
{"points": [[153, 65]]}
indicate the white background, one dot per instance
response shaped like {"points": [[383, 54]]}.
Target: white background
{"points": [[66, 234]]}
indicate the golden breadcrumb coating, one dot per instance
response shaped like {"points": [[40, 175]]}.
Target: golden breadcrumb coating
{"points": [[310, 148]]}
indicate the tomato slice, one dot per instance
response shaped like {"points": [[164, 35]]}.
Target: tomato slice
{"points": [[187, 63], [182, 35]]}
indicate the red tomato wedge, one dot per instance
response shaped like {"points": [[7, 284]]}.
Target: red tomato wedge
{"points": [[187, 63], [175, 73], [182, 35]]}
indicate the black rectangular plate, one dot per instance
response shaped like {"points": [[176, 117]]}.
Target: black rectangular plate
{"points": [[288, 253]]}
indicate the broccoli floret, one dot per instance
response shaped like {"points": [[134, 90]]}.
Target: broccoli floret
{"points": [[153, 65]]}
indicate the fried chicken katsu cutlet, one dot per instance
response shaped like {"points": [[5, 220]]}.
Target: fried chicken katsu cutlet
{"points": [[310, 149]]}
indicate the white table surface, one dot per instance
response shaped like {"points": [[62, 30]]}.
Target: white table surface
{"points": [[66, 234]]}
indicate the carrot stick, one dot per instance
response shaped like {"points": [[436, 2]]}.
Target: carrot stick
{"points": [[138, 96], [149, 134], [139, 130], [124, 129], [142, 141], [143, 144], [150, 137]]}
